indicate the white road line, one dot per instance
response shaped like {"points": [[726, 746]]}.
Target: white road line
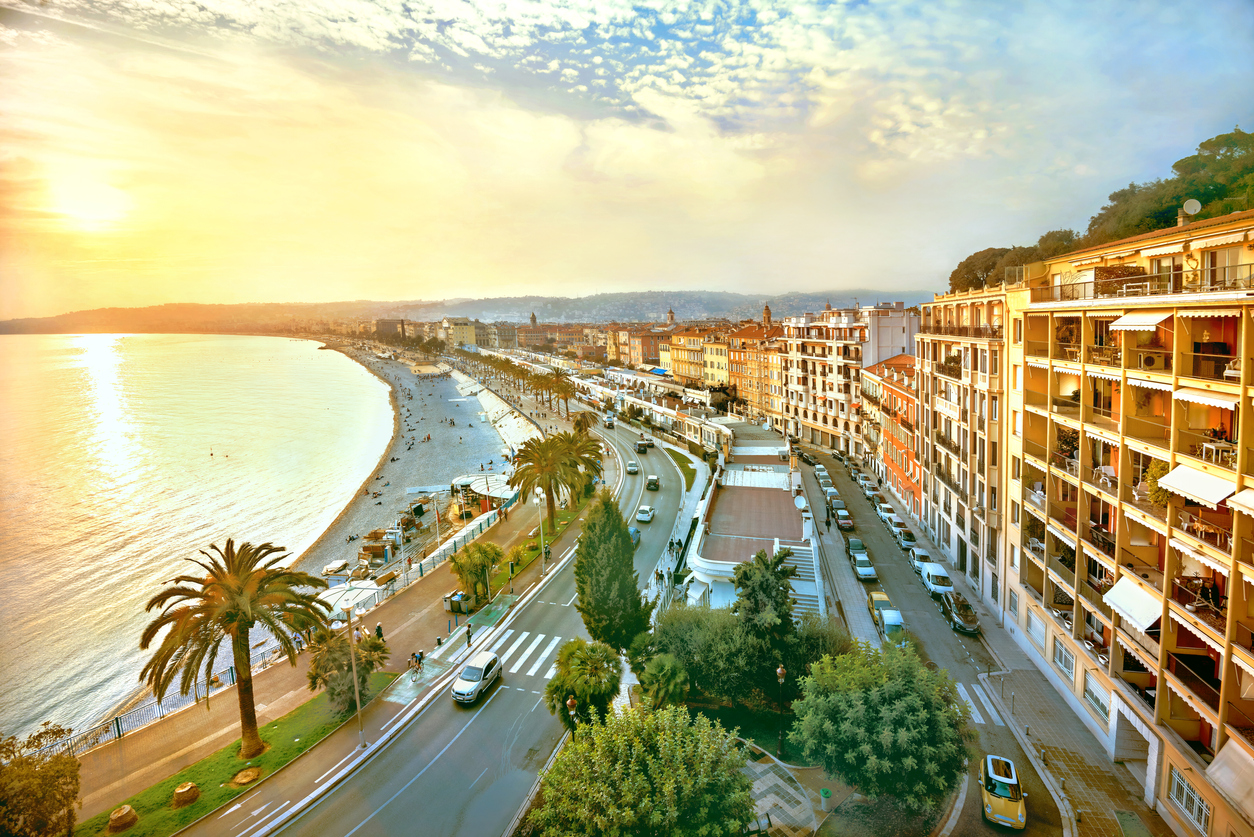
{"points": [[537, 706], [418, 775], [501, 640], [975, 713], [355, 752], [476, 781], [514, 647], [548, 675], [258, 827], [262, 808], [992, 713], [239, 804], [572, 599], [543, 655], [523, 657]]}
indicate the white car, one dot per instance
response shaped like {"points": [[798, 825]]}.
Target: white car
{"points": [[645, 514], [935, 579], [632, 467], [480, 672]]}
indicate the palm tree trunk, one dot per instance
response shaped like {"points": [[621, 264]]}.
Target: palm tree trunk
{"points": [[552, 508], [250, 739]]}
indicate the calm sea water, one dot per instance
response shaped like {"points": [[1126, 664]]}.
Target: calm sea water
{"points": [[108, 485]]}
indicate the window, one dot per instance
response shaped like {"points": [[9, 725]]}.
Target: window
{"points": [[1015, 465], [992, 403], [993, 367], [1064, 660], [1018, 378], [1012, 604], [1018, 417], [1036, 628], [1097, 697], [993, 581], [1014, 557], [1187, 800], [1018, 330], [1014, 512], [992, 498]]}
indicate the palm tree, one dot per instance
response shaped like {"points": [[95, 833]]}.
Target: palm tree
{"points": [[545, 464], [563, 389], [330, 667], [584, 452], [474, 564], [591, 672], [237, 592], [584, 422], [665, 681]]}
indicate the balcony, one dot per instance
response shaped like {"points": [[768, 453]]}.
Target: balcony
{"points": [[982, 332], [1105, 356], [947, 480], [1240, 724], [1150, 573], [1066, 351], [1036, 348], [1215, 532], [1064, 568], [1199, 280], [1102, 477], [1100, 538], [1092, 593], [1067, 464], [943, 441], [1150, 359], [1154, 431], [1213, 366], [950, 367], [1201, 598], [1213, 446], [1196, 672], [1036, 399], [1066, 405], [1035, 450]]}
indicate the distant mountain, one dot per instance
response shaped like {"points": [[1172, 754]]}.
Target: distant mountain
{"points": [[643, 306]]}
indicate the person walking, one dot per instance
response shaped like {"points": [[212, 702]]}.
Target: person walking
{"points": [[378, 630], [829, 525], [468, 634], [356, 635]]}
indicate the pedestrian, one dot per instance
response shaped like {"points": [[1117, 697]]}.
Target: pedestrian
{"points": [[467, 634], [299, 640], [378, 630], [829, 524], [356, 635]]}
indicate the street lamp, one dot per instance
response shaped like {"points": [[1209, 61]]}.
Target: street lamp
{"points": [[352, 656], [543, 551], [570, 707], [780, 673]]}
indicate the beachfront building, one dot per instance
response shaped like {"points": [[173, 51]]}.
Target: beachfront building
{"points": [[753, 506], [1131, 503], [961, 373], [822, 357], [687, 354], [889, 426], [390, 328], [460, 331]]}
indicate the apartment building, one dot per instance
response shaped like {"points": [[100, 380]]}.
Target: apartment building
{"points": [[644, 343], [961, 385], [714, 354], [748, 369], [890, 409], [1130, 489], [390, 328], [500, 335], [687, 354], [822, 358]]}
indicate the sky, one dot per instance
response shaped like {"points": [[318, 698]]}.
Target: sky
{"points": [[224, 151]]}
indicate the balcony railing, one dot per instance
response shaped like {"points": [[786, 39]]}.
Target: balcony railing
{"points": [[948, 444], [1201, 601], [1213, 449], [1213, 367], [951, 367], [1063, 515], [1240, 722], [1102, 539], [1202, 684], [1066, 351], [1036, 348], [1035, 449], [1105, 477], [1105, 356], [1036, 399], [952, 483], [1092, 592], [1154, 431], [1204, 280], [1216, 533], [1065, 405], [1142, 569], [1067, 464], [986, 332], [1065, 569]]}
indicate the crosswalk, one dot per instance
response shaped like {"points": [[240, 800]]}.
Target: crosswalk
{"points": [[517, 649], [976, 715]]}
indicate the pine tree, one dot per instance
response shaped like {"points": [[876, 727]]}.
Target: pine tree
{"points": [[610, 602]]}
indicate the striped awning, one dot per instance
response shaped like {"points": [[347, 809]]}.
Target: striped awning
{"points": [[1137, 607], [1217, 240], [1243, 502], [1089, 260], [1198, 486], [1197, 633], [1193, 395], [1211, 312], [1185, 695], [1165, 250], [1103, 374], [1139, 321], [1161, 386], [1037, 364], [1104, 315], [1197, 555]]}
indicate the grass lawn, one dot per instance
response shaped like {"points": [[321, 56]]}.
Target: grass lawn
{"points": [[858, 816], [288, 737], [685, 465], [564, 519], [759, 726]]}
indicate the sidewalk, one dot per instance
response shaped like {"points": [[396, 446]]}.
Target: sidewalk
{"points": [[850, 593], [1081, 778]]}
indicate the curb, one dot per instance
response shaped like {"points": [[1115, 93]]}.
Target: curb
{"points": [[1060, 798], [959, 802]]}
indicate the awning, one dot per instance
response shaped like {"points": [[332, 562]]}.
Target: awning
{"points": [[1204, 396], [1037, 364], [1217, 240], [1198, 486], [1103, 374], [1200, 634], [1198, 556], [344, 596], [1138, 652], [1103, 315], [1211, 312], [1165, 250], [1137, 607], [1243, 502], [1089, 260], [1158, 385], [1139, 321]]}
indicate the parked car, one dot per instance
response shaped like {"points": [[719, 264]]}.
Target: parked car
{"points": [[652, 482], [806, 458], [645, 514], [917, 556], [877, 600], [844, 521], [935, 579], [837, 504], [820, 469], [883, 510], [480, 672], [635, 535], [901, 533], [855, 546], [863, 568], [959, 613], [633, 467], [871, 491], [1002, 798], [890, 624], [825, 482]]}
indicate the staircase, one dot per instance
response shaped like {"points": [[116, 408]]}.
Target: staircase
{"points": [[806, 589]]}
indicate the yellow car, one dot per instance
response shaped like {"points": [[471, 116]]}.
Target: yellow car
{"points": [[1000, 793]]}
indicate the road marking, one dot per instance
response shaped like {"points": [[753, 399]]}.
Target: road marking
{"points": [[262, 808], [572, 599], [544, 654], [341, 761], [418, 775], [514, 647], [523, 657], [258, 827], [538, 702], [501, 641], [975, 713], [476, 781], [548, 675], [988, 706], [239, 804]]}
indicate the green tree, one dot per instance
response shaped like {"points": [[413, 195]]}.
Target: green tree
{"points": [[591, 672], [764, 604], [664, 681], [1157, 495], [647, 773], [722, 658], [240, 589], [609, 599], [473, 565], [976, 270], [817, 637], [880, 721], [38, 784], [331, 668], [584, 421], [546, 464]]}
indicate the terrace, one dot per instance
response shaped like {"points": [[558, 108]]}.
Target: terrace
{"points": [[1215, 338], [1204, 598], [1197, 281]]}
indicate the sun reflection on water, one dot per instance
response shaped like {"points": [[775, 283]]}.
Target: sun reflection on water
{"points": [[111, 435]]}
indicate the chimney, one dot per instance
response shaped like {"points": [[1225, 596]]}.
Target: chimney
{"points": [[1181, 217]]}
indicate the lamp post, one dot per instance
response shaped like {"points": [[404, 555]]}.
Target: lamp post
{"points": [[540, 504], [352, 656], [570, 707], [780, 673]]}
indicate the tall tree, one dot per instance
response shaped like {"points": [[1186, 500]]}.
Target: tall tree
{"points": [[764, 604], [647, 773], [976, 270], [473, 565], [240, 589], [591, 673], [609, 599], [38, 784], [546, 464], [665, 682], [584, 421], [880, 721], [331, 667]]}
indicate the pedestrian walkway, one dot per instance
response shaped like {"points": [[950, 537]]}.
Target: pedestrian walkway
{"points": [[1071, 761], [849, 592]]}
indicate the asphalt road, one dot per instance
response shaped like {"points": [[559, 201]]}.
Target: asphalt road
{"points": [[963, 656], [465, 770]]}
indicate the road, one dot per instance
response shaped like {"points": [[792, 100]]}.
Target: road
{"points": [[458, 770], [964, 657]]}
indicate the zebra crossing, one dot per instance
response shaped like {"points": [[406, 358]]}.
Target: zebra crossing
{"points": [[518, 649], [976, 715]]}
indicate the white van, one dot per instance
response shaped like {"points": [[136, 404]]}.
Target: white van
{"points": [[884, 511], [918, 556], [935, 579]]}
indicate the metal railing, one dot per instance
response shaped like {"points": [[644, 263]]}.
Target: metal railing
{"points": [[1103, 540], [952, 483], [1201, 280], [1178, 665], [1093, 594], [1067, 464], [1156, 432], [1066, 351], [1142, 569], [951, 367], [987, 332], [1065, 570], [1105, 356], [1036, 348], [1216, 533], [1240, 722], [1212, 611], [943, 441]]}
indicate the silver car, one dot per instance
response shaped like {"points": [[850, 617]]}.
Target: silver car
{"points": [[480, 672]]}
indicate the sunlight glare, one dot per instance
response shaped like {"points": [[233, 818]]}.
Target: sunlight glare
{"points": [[89, 204]]}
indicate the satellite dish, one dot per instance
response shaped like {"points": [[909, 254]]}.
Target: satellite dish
{"points": [[1192, 207], [799, 501]]}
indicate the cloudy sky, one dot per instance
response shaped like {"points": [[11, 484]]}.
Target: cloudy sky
{"points": [[280, 150]]}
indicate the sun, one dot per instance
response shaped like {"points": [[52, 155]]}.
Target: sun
{"points": [[89, 204]]}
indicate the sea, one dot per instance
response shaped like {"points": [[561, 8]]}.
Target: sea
{"points": [[123, 455]]}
